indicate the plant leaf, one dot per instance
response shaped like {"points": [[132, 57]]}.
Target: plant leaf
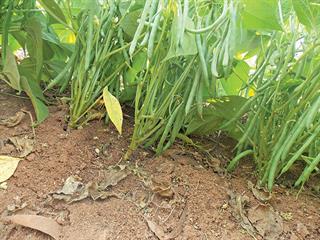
{"points": [[8, 166], [10, 70], [188, 45], [262, 15], [215, 115], [237, 79], [303, 11], [32, 91], [113, 109], [54, 10]]}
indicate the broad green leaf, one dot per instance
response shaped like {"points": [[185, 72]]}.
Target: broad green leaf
{"points": [[237, 79], [215, 115], [304, 12], [188, 45], [130, 23], [138, 64], [54, 10], [10, 70], [65, 35], [260, 15], [35, 43], [33, 91], [8, 166], [113, 109]]}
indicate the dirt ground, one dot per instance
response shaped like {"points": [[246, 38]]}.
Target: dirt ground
{"points": [[183, 194]]}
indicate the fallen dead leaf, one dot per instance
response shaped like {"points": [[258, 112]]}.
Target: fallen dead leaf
{"points": [[160, 233], [74, 190], [8, 165], [266, 221], [23, 145], [112, 176], [162, 191], [156, 229], [259, 194], [12, 121], [71, 186], [237, 202], [40, 223]]}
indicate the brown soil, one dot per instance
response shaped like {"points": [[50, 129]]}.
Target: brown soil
{"points": [[197, 206]]}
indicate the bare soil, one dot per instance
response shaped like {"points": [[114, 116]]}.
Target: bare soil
{"points": [[196, 200]]}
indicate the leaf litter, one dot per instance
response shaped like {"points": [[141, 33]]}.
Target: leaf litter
{"points": [[13, 121], [160, 232], [74, 190], [40, 223], [260, 194], [23, 145], [260, 220]]}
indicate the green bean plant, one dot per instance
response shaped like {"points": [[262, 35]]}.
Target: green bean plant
{"points": [[187, 67]]}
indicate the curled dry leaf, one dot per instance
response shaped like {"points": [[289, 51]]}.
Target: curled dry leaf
{"points": [[113, 176], [161, 234], [237, 202], [266, 221], [12, 121], [162, 191], [8, 165], [42, 224], [259, 194], [74, 190], [23, 145]]}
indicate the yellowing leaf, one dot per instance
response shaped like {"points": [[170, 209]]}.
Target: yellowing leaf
{"points": [[113, 109], [8, 166]]}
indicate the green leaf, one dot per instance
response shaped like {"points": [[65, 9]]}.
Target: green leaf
{"points": [[138, 64], [54, 10], [10, 70], [35, 94], [215, 115], [188, 45], [35, 43], [304, 12], [237, 79], [260, 15], [113, 109]]}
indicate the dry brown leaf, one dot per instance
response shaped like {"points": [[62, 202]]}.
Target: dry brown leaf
{"points": [[12, 121], [23, 145], [95, 192], [160, 233], [261, 195], [266, 221], [112, 176], [163, 191], [74, 190], [156, 229], [237, 202], [42, 224]]}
